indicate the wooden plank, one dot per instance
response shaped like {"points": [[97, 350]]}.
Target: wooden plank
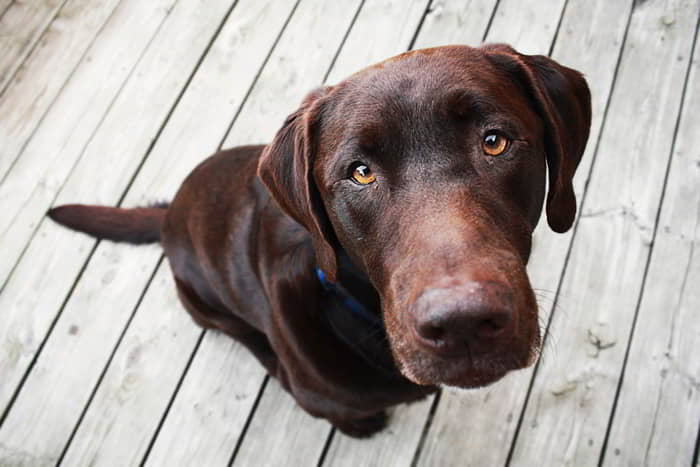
{"points": [[33, 183], [34, 288], [394, 446], [116, 430], [213, 402], [446, 22], [5, 5], [287, 440], [392, 27], [52, 398], [455, 22], [118, 424], [483, 423], [295, 66], [514, 23], [44, 412], [569, 407], [658, 409], [21, 26], [40, 78], [70, 123]]}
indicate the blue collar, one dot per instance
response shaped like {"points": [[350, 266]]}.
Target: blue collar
{"points": [[360, 329], [350, 302]]}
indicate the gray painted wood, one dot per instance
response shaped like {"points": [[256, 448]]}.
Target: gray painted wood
{"points": [[211, 407], [658, 409], [383, 29], [118, 423], [21, 26], [29, 299], [568, 411], [484, 422], [37, 82], [455, 22], [5, 5], [45, 163], [526, 24], [394, 446], [54, 393], [280, 433]]}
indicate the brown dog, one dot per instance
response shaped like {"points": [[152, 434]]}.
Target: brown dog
{"points": [[377, 247]]}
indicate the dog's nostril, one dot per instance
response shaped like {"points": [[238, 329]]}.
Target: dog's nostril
{"points": [[491, 327], [431, 331]]}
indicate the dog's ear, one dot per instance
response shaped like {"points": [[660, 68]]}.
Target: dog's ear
{"points": [[562, 99], [286, 169]]}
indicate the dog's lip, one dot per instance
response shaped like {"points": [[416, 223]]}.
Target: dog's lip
{"points": [[466, 378], [474, 379], [463, 372]]}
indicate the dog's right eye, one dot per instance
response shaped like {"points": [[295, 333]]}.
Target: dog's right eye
{"points": [[362, 174]]}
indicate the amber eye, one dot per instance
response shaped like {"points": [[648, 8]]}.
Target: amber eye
{"points": [[494, 144], [363, 175]]}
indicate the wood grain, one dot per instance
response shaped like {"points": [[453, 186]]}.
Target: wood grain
{"points": [[279, 433], [383, 29], [658, 409], [55, 391], [395, 446], [526, 24], [40, 78], [5, 5], [116, 428], [42, 279], [21, 26], [569, 407], [212, 406], [59, 141], [455, 22]]}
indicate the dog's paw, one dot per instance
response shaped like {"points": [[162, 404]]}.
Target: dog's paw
{"points": [[364, 427]]}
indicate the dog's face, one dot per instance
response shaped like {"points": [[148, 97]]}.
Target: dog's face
{"points": [[429, 170]]}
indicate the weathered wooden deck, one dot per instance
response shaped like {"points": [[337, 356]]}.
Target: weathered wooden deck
{"points": [[115, 101]]}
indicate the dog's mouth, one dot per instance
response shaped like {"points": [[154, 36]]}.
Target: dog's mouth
{"points": [[465, 371], [463, 360]]}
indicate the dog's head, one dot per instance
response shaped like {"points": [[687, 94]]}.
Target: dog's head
{"points": [[429, 170]]}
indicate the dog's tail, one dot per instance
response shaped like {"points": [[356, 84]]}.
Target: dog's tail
{"points": [[135, 225]]}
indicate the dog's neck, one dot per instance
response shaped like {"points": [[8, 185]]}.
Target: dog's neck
{"points": [[356, 282], [355, 315]]}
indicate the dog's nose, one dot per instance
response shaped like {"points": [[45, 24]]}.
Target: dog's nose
{"points": [[466, 319]]}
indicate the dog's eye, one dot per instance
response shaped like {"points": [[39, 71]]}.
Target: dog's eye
{"points": [[362, 174], [494, 144]]}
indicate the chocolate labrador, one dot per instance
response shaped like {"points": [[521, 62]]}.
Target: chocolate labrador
{"points": [[376, 249]]}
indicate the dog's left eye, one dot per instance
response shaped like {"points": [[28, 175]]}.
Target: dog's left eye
{"points": [[362, 174], [494, 144]]}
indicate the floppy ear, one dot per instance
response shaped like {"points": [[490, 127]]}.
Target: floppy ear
{"points": [[563, 101], [286, 169]]}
